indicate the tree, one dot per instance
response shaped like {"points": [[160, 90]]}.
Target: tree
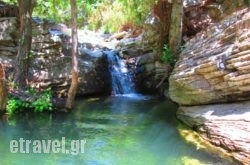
{"points": [[75, 70], [175, 31], [22, 59], [162, 11], [3, 89]]}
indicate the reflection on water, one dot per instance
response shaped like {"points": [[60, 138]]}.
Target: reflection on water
{"points": [[132, 130]]}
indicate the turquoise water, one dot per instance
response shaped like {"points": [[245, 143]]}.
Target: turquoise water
{"points": [[121, 130]]}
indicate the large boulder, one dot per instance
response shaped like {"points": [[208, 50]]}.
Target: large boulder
{"points": [[214, 66], [224, 125]]}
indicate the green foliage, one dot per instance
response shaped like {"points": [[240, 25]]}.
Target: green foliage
{"points": [[167, 55], [14, 105], [10, 1], [43, 103], [105, 15], [56, 10], [59, 11], [247, 2]]}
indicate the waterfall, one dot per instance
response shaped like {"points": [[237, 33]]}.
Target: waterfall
{"points": [[121, 78]]}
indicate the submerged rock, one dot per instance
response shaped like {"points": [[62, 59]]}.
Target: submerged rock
{"points": [[224, 125]]}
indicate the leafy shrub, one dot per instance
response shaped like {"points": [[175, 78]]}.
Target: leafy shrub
{"points": [[105, 14], [43, 103], [14, 105], [167, 55]]}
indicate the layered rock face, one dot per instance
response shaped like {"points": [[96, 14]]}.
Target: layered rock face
{"points": [[51, 63], [214, 66], [8, 39], [214, 69], [50, 58]]}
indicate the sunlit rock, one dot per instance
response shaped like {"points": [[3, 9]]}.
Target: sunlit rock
{"points": [[213, 67]]}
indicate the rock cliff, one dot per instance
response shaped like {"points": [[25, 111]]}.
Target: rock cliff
{"points": [[214, 69], [50, 58]]}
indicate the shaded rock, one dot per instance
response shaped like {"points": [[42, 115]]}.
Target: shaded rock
{"points": [[151, 76], [213, 67], [199, 14], [146, 58], [50, 58], [8, 29], [8, 39], [7, 10], [55, 71], [224, 125]]}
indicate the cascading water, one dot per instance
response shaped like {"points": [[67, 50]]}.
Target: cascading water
{"points": [[121, 77]]}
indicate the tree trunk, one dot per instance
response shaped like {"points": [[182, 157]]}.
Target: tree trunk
{"points": [[175, 32], [22, 60], [74, 81], [3, 89], [162, 10]]}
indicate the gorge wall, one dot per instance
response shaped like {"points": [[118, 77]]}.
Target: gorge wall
{"points": [[50, 58], [214, 69]]}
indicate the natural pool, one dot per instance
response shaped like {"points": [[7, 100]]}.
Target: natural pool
{"points": [[121, 130]]}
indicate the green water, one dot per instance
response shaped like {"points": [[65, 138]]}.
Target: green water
{"points": [[135, 130]]}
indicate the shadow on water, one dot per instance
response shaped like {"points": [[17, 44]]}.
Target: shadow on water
{"points": [[131, 129]]}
